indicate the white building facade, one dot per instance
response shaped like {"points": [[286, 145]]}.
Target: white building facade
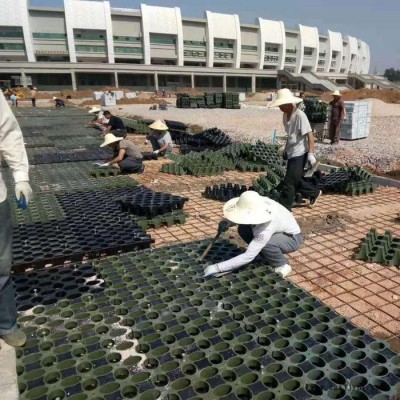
{"points": [[88, 32]]}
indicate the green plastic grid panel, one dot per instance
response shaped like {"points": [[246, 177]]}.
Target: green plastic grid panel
{"points": [[147, 326]]}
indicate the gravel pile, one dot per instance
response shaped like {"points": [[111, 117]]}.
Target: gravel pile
{"points": [[380, 151]]}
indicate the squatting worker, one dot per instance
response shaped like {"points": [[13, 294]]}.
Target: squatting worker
{"points": [[115, 125], [59, 102], [127, 155], [12, 150], [33, 94], [267, 227], [99, 121], [160, 138], [299, 150], [338, 114]]}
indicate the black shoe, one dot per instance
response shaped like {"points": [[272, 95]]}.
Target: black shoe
{"points": [[142, 170], [313, 200]]}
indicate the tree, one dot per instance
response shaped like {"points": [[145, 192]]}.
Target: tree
{"points": [[392, 74]]}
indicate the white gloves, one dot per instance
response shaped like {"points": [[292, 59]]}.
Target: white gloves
{"points": [[211, 270], [311, 159], [25, 189], [156, 151], [146, 141], [104, 165]]}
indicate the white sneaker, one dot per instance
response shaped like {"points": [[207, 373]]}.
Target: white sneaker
{"points": [[284, 270]]}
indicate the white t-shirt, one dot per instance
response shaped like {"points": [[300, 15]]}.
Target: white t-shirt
{"points": [[282, 222], [297, 129]]}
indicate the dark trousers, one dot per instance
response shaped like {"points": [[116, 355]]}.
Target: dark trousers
{"points": [[294, 183], [33, 102], [8, 307], [334, 131], [130, 166], [155, 145], [119, 133], [278, 245]]}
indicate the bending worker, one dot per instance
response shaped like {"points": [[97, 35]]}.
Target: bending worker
{"points": [[160, 138], [267, 227], [115, 125], [13, 151], [299, 150], [99, 121], [127, 155]]}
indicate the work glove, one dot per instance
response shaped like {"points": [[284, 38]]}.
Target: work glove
{"points": [[224, 225], [146, 141], [211, 270], [156, 151], [105, 165], [311, 159], [24, 189]]}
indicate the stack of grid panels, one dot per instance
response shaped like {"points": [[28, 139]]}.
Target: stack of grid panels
{"points": [[231, 100], [358, 120]]}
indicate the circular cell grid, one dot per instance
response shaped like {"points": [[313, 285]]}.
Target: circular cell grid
{"points": [[145, 325]]}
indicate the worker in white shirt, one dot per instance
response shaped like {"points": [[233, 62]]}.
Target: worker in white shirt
{"points": [[12, 150], [299, 150], [99, 121], [267, 227]]}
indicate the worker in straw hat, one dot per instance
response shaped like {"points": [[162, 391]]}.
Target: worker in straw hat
{"points": [[99, 121], [160, 138], [33, 94], [267, 227], [127, 156], [299, 150], [338, 114]]}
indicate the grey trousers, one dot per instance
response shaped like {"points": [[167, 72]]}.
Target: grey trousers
{"points": [[8, 306], [278, 245]]}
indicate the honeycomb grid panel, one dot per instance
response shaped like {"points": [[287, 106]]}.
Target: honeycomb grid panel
{"points": [[146, 325]]}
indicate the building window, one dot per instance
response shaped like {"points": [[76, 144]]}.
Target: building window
{"points": [[271, 58], [90, 49], [194, 43], [308, 51], [269, 67], [42, 35], [162, 39], [85, 36], [11, 34], [128, 50], [322, 54], [290, 60], [130, 39], [271, 49], [193, 53], [12, 46], [223, 55], [247, 47], [321, 62], [223, 45], [291, 51]]}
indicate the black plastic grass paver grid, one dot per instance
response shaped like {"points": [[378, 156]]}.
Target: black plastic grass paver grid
{"points": [[225, 192], [146, 325], [381, 249], [72, 156], [142, 201]]}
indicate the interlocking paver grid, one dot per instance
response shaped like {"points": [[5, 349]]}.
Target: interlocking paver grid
{"points": [[325, 265]]}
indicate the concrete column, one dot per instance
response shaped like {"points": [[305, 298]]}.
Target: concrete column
{"points": [[224, 83], [23, 79], [253, 84], [156, 81], [116, 82], [73, 79], [210, 83], [192, 81]]}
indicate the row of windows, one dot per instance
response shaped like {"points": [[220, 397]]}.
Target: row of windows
{"points": [[40, 35], [90, 49], [290, 60], [271, 58], [12, 34], [194, 43], [130, 39], [162, 40], [223, 55], [249, 48], [271, 49], [222, 45], [192, 53], [128, 50], [12, 46]]}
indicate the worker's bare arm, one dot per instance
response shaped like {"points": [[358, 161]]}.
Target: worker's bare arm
{"points": [[311, 142]]}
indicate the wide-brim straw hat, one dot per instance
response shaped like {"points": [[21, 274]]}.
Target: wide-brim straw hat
{"points": [[94, 110], [54, 98], [249, 209], [159, 126], [336, 93], [35, 88], [110, 138], [285, 96]]}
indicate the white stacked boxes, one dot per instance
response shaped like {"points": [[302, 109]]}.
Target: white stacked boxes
{"points": [[358, 120], [108, 99]]}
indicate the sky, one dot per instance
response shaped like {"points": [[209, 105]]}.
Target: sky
{"points": [[373, 21]]}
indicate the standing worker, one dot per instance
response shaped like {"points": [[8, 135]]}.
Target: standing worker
{"points": [[299, 150], [33, 94], [338, 114], [267, 227], [127, 155], [160, 138], [13, 151]]}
